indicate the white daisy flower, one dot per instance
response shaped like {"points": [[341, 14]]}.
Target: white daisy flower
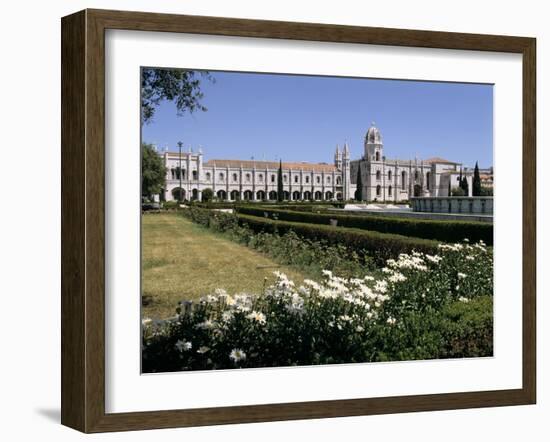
{"points": [[183, 345], [237, 355]]}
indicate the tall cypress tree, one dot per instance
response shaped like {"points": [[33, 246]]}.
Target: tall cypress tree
{"points": [[359, 191], [476, 185], [449, 191], [280, 191]]}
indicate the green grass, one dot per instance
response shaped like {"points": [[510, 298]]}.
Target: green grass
{"points": [[183, 261]]}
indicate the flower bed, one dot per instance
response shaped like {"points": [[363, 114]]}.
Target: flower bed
{"points": [[421, 307]]}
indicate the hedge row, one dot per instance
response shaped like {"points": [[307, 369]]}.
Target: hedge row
{"points": [[446, 231], [381, 246], [303, 207]]}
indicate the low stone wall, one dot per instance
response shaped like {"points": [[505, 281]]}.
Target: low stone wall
{"points": [[455, 204]]}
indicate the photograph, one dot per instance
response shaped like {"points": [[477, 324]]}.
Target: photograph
{"points": [[298, 220]]}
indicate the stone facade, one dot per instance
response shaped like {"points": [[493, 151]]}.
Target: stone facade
{"points": [[383, 179]]}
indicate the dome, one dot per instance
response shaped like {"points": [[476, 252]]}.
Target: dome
{"points": [[373, 135]]}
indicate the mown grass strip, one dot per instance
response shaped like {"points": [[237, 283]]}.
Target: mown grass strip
{"points": [[183, 261]]}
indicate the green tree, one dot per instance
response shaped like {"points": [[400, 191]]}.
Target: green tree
{"points": [[177, 85], [457, 191], [280, 190], [464, 185], [476, 185], [449, 189], [207, 195], [359, 192], [153, 171]]}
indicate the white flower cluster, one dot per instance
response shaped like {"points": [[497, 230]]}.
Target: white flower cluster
{"points": [[413, 261]]}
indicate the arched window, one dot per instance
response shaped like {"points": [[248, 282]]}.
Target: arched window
{"points": [[428, 176], [247, 178], [307, 180], [173, 173], [338, 181], [378, 175], [285, 178], [222, 176], [403, 179], [389, 190], [235, 177], [295, 178], [178, 194], [272, 178], [378, 190], [377, 156], [319, 180], [389, 175], [328, 180], [195, 174], [416, 175], [208, 176], [260, 178]]}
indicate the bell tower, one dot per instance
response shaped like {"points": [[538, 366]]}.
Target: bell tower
{"points": [[374, 147]]}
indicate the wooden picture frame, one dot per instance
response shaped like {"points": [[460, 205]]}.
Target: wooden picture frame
{"points": [[83, 220]]}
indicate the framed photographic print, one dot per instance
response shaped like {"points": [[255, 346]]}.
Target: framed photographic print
{"points": [[268, 220]]}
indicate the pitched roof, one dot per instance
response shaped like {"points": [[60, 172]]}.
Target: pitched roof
{"points": [[249, 164], [439, 161]]}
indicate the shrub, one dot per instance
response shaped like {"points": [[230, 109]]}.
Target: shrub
{"points": [[414, 311], [213, 204], [207, 195], [447, 231], [458, 191], [169, 205]]}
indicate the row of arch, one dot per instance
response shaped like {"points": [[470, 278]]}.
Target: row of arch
{"points": [[176, 172], [260, 195], [417, 191], [404, 178]]}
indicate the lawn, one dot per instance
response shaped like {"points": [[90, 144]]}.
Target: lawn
{"points": [[183, 261]]}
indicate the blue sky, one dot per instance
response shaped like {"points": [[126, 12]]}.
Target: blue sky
{"points": [[302, 118]]}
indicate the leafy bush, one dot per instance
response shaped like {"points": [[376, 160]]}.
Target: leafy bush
{"points": [[447, 231], [213, 205], [457, 191], [309, 205], [169, 205], [207, 195], [422, 307]]}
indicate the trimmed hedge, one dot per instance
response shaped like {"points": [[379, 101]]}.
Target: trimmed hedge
{"points": [[213, 205], [381, 246], [446, 231]]}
